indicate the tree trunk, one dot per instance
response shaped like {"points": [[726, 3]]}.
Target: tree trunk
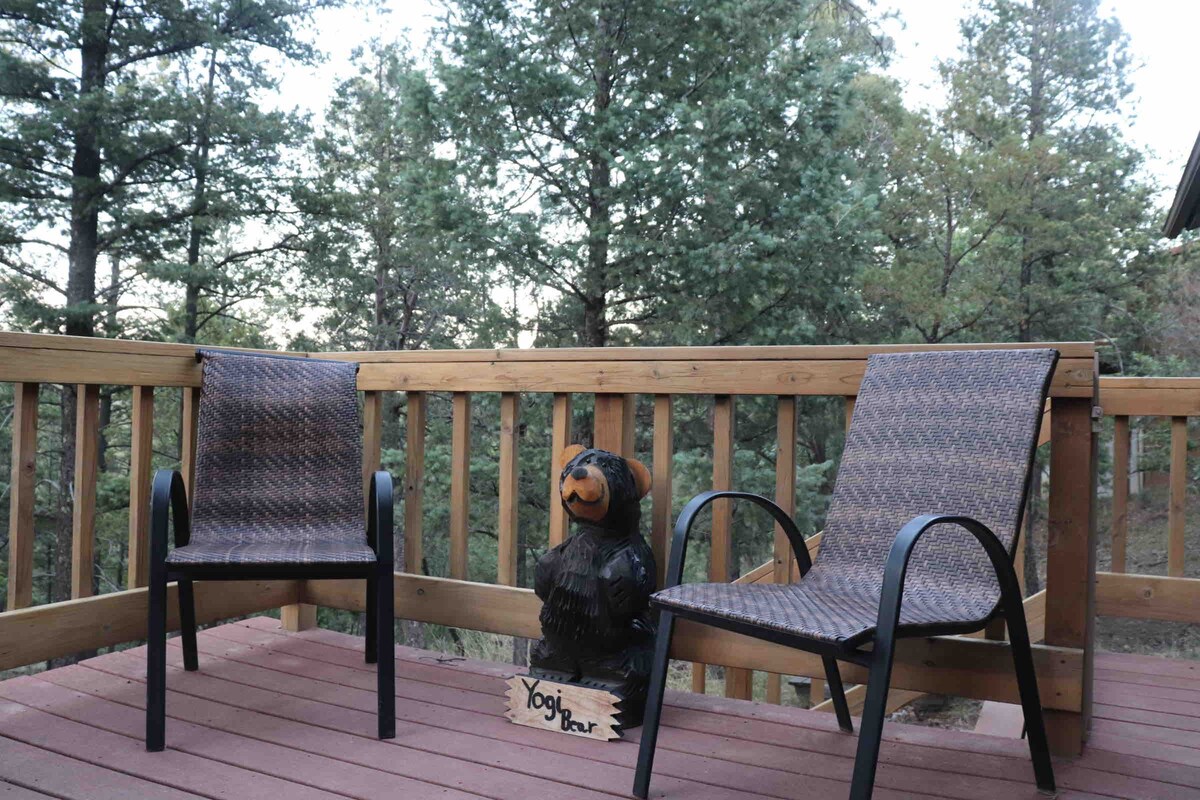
{"points": [[198, 228], [1035, 126], [79, 314], [599, 222]]}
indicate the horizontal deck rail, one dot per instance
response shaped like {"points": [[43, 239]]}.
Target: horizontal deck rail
{"points": [[967, 666], [1172, 597]]}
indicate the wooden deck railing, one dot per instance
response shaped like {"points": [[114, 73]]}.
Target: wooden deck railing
{"points": [[1120, 594], [970, 667]]}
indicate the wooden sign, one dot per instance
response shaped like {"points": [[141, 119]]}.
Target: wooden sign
{"points": [[563, 707]]}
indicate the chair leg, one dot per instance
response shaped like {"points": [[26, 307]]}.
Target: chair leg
{"points": [[156, 661], [1031, 705], [654, 701], [837, 693], [870, 729], [372, 649], [187, 625], [385, 621]]}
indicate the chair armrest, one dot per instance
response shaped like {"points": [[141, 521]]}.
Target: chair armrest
{"points": [[379, 517], [168, 504], [688, 516], [902, 550]]}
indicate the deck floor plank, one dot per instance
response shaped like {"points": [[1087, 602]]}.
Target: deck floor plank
{"points": [[472, 736], [832, 755], [279, 715], [11, 791], [64, 777]]}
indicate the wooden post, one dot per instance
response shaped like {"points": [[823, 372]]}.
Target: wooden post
{"points": [[1071, 556], [785, 498], [460, 484], [1120, 492], [83, 513], [141, 452], [660, 507], [506, 529], [298, 617], [1177, 511], [560, 437], [414, 482], [21, 495]]}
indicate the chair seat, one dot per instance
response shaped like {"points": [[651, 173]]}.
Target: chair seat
{"points": [[300, 552], [827, 607]]}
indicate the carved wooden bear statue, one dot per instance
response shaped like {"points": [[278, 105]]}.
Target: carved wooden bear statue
{"points": [[595, 587]]}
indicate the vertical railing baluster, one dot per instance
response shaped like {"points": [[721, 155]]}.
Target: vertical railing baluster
{"points": [[414, 483], [1177, 512], [460, 484], [1120, 492], [560, 437], [612, 423], [372, 455], [21, 495], [662, 456], [785, 498], [83, 512], [739, 683], [187, 436], [509, 483], [140, 454]]}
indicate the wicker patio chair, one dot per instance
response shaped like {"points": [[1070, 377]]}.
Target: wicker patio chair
{"points": [[928, 502], [278, 495]]}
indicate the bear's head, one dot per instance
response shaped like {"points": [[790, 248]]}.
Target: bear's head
{"points": [[601, 488]]}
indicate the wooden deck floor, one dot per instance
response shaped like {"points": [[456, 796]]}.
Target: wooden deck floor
{"points": [[291, 716]]}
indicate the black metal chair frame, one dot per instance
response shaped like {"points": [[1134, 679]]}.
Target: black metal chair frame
{"points": [[169, 504], [878, 660]]}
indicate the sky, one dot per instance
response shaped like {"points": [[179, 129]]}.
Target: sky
{"points": [[1163, 117]]}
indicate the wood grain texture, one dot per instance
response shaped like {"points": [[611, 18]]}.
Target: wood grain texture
{"points": [[64, 359], [21, 495], [572, 709], [190, 422], [1177, 511], [965, 666], [560, 437], [613, 423], [1148, 597], [1072, 378], [414, 482], [372, 424], [1120, 492], [785, 483], [662, 478], [56, 629], [141, 452], [507, 529], [460, 484], [298, 617], [83, 510], [720, 565], [1071, 350], [300, 707]]}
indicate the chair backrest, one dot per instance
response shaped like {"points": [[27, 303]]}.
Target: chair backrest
{"points": [[278, 450], [950, 432]]}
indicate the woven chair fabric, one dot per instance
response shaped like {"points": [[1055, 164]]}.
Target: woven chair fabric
{"points": [[278, 464], [932, 433]]}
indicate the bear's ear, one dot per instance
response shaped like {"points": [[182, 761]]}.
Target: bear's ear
{"points": [[641, 476], [569, 452]]}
